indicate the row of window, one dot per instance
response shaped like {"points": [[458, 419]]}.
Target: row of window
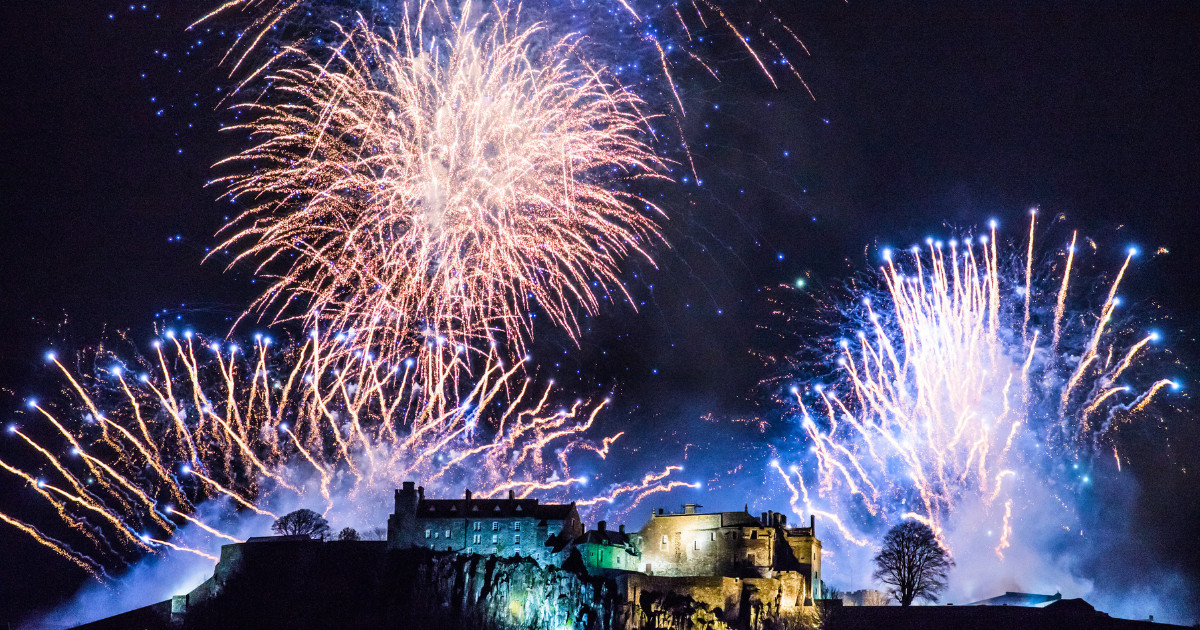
{"points": [[476, 539], [478, 526], [712, 537]]}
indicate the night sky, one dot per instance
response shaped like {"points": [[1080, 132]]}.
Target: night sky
{"points": [[927, 117]]}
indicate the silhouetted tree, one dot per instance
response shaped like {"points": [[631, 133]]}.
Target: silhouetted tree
{"points": [[912, 563], [348, 533], [303, 523]]}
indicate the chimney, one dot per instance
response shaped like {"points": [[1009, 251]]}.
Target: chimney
{"points": [[812, 524], [689, 508], [782, 520], [512, 495], [421, 493], [770, 518], [763, 519], [408, 486], [621, 528], [602, 527], [660, 511], [468, 494]]}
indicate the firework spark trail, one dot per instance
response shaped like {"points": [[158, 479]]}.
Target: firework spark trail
{"points": [[648, 480], [651, 483], [601, 451], [1061, 305], [945, 392], [304, 421], [1028, 277], [83, 562], [199, 523], [800, 503], [402, 182], [1006, 532]]}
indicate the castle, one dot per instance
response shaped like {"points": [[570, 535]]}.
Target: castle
{"points": [[718, 555]]}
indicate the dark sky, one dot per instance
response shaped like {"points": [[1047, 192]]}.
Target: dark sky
{"points": [[925, 114]]}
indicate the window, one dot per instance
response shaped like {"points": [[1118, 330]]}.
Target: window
{"points": [[516, 539], [477, 526], [428, 533], [447, 534], [517, 526], [712, 536], [437, 535], [495, 539], [478, 539], [495, 526], [664, 541], [696, 544]]}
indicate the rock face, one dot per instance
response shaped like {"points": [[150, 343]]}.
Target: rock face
{"points": [[500, 593]]}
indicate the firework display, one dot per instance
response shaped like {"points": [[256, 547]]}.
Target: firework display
{"points": [[966, 384], [599, 253], [416, 186], [137, 447]]}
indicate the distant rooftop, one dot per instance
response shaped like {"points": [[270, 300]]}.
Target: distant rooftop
{"points": [[1031, 600], [274, 539]]}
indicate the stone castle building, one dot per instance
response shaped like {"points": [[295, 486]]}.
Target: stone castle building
{"points": [[603, 551], [731, 544], [504, 527]]}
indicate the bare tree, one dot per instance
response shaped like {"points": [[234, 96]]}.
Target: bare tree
{"points": [[303, 523], [913, 563]]}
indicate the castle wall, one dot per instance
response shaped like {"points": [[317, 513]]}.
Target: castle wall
{"points": [[805, 548], [598, 558], [737, 601], [644, 592], [705, 544], [483, 526], [499, 536]]}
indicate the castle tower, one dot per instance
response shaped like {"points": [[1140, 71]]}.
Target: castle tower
{"points": [[806, 549], [402, 524]]}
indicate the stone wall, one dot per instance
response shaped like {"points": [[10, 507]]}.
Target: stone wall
{"points": [[705, 544], [736, 602], [497, 536], [503, 593]]}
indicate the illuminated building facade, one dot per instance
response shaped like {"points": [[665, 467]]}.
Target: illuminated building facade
{"points": [[731, 544], [604, 551], [504, 527]]}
